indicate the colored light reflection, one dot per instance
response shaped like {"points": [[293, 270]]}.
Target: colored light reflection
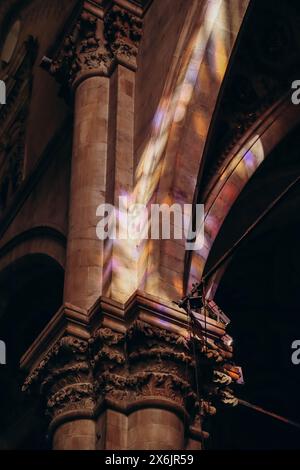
{"points": [[221, 199], [211, 39]]}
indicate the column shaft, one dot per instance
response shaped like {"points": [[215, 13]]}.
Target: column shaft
{"points": [[89, 186], [155, 429], [75, 435]]}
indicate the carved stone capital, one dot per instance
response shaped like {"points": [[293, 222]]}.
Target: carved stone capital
{"points": [[123, 31], [84, 52], [126, 362], [151, 364], [95, 44], [64, 378]]}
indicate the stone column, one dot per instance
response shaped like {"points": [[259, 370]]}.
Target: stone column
{"points": [[89, 187], [83, 66], [97, 62], [132, 385], [95, 66], [124, 32]]}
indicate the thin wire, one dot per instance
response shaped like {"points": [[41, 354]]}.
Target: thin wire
{"points": [[205, 335], [200, 404], [205, 314], [249, 230], [193, 340], [186, 366], [185, 301], [231, 250], [269, 413]]}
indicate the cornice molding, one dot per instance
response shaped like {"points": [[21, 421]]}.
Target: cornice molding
{"points": [[136, 7], [117, 316]]}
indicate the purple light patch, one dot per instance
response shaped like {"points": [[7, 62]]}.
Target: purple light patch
{"points": [[249, 159]]}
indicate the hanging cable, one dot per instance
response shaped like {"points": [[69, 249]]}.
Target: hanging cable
{"points": [[199, 288], [193, 340], [269, 413], [189, 329], [234, 247]]}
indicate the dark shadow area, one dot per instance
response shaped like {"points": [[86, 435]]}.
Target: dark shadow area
{"points": [[31, 292], [259, 291]]}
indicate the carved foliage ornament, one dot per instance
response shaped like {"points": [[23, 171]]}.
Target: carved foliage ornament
{"points": [[149, 361], [123, 368], [123, 32], [64, 377], [83, 51], [94, 46]]}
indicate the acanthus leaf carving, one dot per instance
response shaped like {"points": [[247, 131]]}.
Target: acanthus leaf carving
{"points": [[123, 31], [124, 368], [83, 51], [94, 46], [70, 398], [64, 377]]}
